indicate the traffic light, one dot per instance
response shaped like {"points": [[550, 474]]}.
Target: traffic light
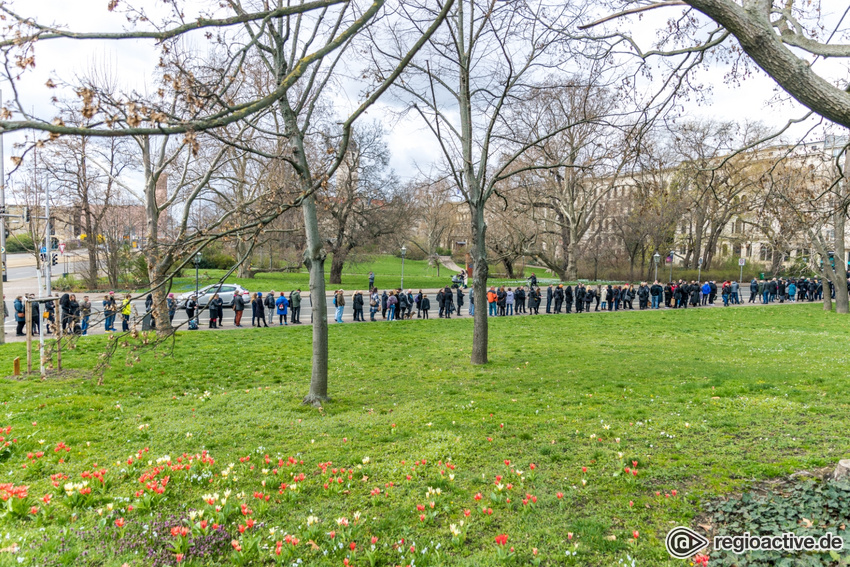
{"points": [[54, 243], [54, 259], [26, 214]]}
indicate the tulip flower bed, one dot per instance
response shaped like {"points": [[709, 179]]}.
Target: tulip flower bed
{"points": [[582, 443]]}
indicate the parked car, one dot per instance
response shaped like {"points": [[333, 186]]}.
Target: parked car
{"points": [[225, 291]]}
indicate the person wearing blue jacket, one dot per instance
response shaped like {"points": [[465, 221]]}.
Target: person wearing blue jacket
{"points": [[706, 290], [282, 308]]}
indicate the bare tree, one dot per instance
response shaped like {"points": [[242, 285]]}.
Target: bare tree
{"points": [[361, 203], [486, 55], [782, 38], [434, 211]]}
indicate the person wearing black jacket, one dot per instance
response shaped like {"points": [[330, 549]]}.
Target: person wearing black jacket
{"points": [[270, 305], [589, 294], [64, 314], [357, 302], [568, 300], [238, 309], [754, 290], [215, 307], [501, 301], [712, 294], [550, 293], [656, 292], [579, 296], [643, 296], [35, 319], [519, 299], [448, 302], [425, 305], [440, 302], [559, 298], [780, 291], [459, 300], [668, 294]]}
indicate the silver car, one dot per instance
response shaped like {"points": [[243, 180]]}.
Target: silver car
{"points": [[225, 291]]}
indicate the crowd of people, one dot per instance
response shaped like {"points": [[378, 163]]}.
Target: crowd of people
{"points": [[74, 315]]}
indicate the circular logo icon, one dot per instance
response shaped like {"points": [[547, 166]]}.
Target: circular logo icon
{"points": [[682, 542]]}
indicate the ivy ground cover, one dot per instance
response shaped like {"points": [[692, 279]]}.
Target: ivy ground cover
{"points": [[582, 443]]}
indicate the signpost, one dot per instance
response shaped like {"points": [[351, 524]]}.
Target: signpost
{"points": [[741, 263]]}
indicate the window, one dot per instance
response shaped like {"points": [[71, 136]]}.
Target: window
{"points": [[736, 249]]}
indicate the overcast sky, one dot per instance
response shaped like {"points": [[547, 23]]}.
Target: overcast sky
{"points": [[410, 142]]}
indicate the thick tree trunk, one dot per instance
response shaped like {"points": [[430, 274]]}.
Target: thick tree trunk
{"points": [[314, 258], [479, 281], [571, 273], [337, 263], [509, 268]]}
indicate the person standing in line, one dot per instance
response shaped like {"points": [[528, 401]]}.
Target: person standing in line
{"points": [[792, 291], [270, 305], [171, 304], [282, 306], [109, 312], [238, 309], [448, 299], [559, 298], [85, 314], [754, 290], [459, 300], [401, 308], [519, 298], [425, 305], [20, 316], [35, 318], [418, 301], [295, 306], [501, 298], [706, 291], [357, 303], [440, 302], [588, 298], [126, 310], [509, 302], [374, 304], [568, 299], [261, 310], [733, 289], [471, 301], [339, 303], [550, 294], [215, 308], [579, 296], [392, 301], [190, 312], [384, 304]]}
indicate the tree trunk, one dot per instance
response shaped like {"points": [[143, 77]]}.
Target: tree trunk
{"points": [[337, 263], [314, 258], [479, 281], [571, 273], [509, 268]]}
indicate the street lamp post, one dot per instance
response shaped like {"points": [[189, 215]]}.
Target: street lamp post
{"points": [[656, 257], [197, 298], [403, 252]]}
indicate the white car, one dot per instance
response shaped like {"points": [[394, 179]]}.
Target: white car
{"points": [[225, 291]]}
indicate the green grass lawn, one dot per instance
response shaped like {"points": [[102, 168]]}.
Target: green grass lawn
{"points": [[417, 275], [702, 403]]}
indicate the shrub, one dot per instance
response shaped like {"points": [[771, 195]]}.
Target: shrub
{"points": [[17, 243]]}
